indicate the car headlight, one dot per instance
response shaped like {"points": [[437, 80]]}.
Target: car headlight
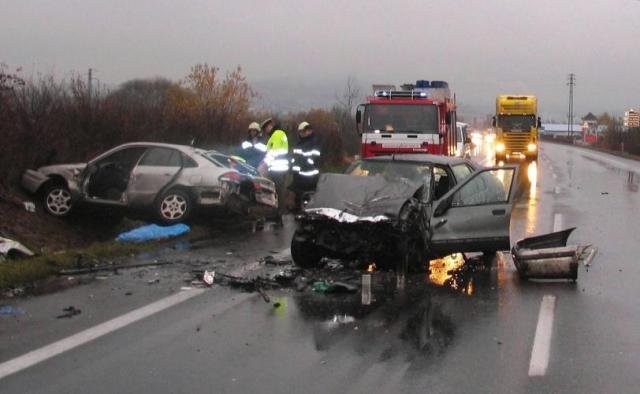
{"points": [[532, 147], [500, 147]]}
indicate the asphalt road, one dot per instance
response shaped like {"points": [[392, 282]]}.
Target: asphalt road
{"points": [[464, 328]]}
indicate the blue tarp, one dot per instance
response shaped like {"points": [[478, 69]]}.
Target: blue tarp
{"points": [[153, 232]]}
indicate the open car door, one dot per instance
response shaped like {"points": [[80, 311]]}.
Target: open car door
{"points": [[475, 215]]}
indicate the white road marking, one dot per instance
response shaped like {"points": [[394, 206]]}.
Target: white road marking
{"points": [[557, 222], [44, 353], [542, 341]]}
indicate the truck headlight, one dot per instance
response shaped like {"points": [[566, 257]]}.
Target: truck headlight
{"points": [[532, 147], [500, 147]]}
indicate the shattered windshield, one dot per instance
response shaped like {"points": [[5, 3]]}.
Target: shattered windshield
{"points": [[413, 118], [394, 170]]}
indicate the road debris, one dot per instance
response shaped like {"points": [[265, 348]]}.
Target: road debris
{"points": [[8, 310], [112, 267], [69, 312], [324, 286], [152, 232], [11, 249], [270, 260], [208, 277], [548, 256]]}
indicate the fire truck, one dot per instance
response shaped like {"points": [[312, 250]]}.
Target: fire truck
{"points": [[418, 118]]}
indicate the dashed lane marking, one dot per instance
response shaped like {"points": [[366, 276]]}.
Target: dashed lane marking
{"points": [[542, 341]]}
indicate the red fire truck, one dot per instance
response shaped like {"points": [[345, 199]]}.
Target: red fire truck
{"points": [[418, 118]]}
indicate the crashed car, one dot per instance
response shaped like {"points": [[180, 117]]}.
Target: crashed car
{"points": [[399, 210], [172, 180]]}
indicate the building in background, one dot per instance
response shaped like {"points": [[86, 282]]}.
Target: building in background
{"points": [[590, 129], [631, 119]]}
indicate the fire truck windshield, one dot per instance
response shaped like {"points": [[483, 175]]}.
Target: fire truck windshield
{"points": [[401, 118]]}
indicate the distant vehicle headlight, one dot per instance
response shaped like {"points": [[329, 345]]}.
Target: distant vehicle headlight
{"points": [[500, 147], [532, 147]]}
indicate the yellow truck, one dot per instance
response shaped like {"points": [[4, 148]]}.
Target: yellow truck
{"points": [[516, 125]]}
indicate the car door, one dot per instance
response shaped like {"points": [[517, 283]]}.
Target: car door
{"points": [[475, 215], [105, 179], [157, 168]]}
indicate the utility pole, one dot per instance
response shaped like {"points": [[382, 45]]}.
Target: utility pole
{"points": [[571, 83]]}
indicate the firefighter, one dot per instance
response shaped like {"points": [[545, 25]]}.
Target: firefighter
{"points": [[305, 163], [277, 161], [253, 149]]}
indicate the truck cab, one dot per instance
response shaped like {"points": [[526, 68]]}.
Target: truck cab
{"points": [[516, 127]]}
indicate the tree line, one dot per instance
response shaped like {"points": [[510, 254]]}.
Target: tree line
{"points": [[44, 120]]}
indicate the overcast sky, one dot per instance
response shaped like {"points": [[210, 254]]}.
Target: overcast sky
{"points": [[482, 47]]}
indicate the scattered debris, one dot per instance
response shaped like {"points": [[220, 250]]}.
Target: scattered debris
{"points": [[270, 260], [8, 310], [153, 281], [13, 249], [69, 312], [112, 267], [128, 293], [153, 232], [333, 287], [603, 193], [208, 277], [548, 256], [29, 206]]}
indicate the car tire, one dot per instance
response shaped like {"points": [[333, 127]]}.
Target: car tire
{"points": [[174, 206], [57, 200], [305, 254]]}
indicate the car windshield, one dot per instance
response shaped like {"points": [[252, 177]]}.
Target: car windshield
{"points": [[413, 118], [235, 163], [516, 122], [394, 170]]}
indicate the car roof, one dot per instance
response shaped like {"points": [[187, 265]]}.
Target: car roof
{"points": [[183, 148], [421, 158]]}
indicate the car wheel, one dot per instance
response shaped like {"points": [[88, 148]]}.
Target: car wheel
{"points": [[304, 253], [173, 207], [57, 200]]}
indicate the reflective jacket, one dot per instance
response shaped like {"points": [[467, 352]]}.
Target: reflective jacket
{"points": [[277, 152], [305, 160], [253, 151]]}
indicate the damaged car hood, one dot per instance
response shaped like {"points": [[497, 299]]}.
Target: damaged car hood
{"points": [[350, 198]]}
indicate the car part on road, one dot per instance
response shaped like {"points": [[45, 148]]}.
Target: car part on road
{"points": [[547, 256], [209, 277], [69, 312], [111, 267], [13, 249], [153, 232]]}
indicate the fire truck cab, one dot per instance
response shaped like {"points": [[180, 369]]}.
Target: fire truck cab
{"points": [[418, 118]]}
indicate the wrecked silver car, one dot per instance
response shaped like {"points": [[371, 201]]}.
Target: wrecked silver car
{"points": [[172, 180], [404, 209]]}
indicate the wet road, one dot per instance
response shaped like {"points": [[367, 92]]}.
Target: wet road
{"points": [[464, 328]]}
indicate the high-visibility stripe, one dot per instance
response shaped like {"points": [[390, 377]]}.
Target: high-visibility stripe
{"points": [[313, 152], [309, 173]]}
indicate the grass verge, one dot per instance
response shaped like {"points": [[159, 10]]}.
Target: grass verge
{"points": [[14, 273]]}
